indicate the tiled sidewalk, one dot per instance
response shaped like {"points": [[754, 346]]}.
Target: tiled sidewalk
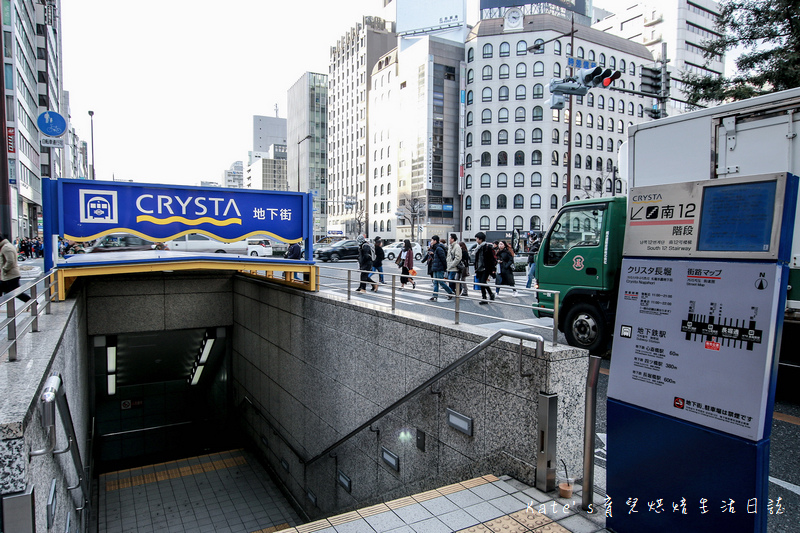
{"points": [[481, 505], [226, 492]]}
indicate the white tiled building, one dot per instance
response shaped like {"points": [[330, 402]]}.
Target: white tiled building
{"points": [[516, 146]]}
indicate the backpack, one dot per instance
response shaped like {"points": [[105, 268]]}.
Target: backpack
{"points": [[489, 259]]}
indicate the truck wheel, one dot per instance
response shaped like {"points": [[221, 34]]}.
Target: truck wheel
{"points": [[585, 328], [334, 258]]}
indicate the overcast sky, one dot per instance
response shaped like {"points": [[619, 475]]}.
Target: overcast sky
{"points": [[174, 85]]}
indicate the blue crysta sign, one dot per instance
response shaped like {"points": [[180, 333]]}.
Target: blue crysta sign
{"points": [[91, 209]]}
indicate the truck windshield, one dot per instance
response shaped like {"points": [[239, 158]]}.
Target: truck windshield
{"points": [[580, 226]]}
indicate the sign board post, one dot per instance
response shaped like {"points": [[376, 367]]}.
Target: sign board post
{"points": [[694, 363]]}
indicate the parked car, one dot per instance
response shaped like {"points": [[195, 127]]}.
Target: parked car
{"points": [[341, 250], [394, 249], [259, 247], [120, 242], [197, 242]]}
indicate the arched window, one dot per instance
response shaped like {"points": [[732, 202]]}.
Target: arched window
{"points": [[505, 49], [620, 126], [485, 201], [554, 180], [608, 189], [469, 139], [502, 93], [554, 202], [622, 65], [556, 48], [577, 161], [538, 46], [486, 137], [522, 70], [502, 180], [470, 76], [467, 223], [536, 223], [486, 94], [599, 164], [611, 124], [486, 181], [640, 111], [487, 73], [468, 181], [578, 140], [590, 99], [502, 137], [375, 226], [470, 55], [375, 210], [612, 63], [610, 145], [503, 72], [620, 106], [382, 206], [469, 97], [600, 143], [519, 201], [486, 116], [501, 223], [502, 159], [576, 182], [375, 191], [598, 184], [536, 201], [519, 179], [484, 223], [580, 52], [554, 158], [536, 136], [538, 91], [518, 223], [502, 115], [521, 92], [501, 201], [536, 180], [519, 136], [537, 115], [389, 225], [469, 161], [556, 135], [519, 114], [519, 158], [602, 61], [611, 104], [557, 70], [536, 158], [588, 162], [600, 122], [487, 51], [538, 69], [632, 68], [579, 119], [609, 165], [590, 57], [601, 102], [589, 141], [630, 108], [469, 118], [522, 48], [486, 159]]}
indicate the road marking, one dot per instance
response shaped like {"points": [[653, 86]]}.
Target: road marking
{"points": [[787, 418], [786, 485]]}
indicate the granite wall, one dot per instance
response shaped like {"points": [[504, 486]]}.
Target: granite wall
{"points": [[59, 347], [316, 368]]}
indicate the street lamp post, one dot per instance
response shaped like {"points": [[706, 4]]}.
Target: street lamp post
{"points": [[307, 137], [91, 118]]}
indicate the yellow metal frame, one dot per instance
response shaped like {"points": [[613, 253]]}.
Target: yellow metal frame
{"points": [[67, 276]]}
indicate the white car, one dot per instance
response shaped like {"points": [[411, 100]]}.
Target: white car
{"points": [[393, 250], [259, 247], [197, 242]]}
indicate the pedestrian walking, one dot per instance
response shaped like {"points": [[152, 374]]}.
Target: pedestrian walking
{"points": [[534, 249], [485, 264], [438, 266], [295, 252], [453, 260], [366, 255], [406, 263], [9, 272], [463, 268], [377, 265], [505, 258]]}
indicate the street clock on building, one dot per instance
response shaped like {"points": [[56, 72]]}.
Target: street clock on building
{"points": [[514, 19]]}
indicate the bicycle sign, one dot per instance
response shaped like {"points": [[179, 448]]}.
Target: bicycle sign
{"points": [[51, 124]]}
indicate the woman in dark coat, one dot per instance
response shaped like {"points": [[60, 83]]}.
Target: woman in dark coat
{"points": [[505, 256], [406, 264]]}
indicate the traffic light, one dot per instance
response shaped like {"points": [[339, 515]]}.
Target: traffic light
{"points": [[557, 101], [606, 78], [651, 80], [586, 76], [653, 112], [567, 86]]}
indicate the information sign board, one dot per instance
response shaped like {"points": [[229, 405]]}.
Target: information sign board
{"points": [[695, 340]]}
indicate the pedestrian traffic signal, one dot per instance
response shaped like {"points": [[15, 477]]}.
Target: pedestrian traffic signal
{"points": [[651, 80], [653, 112]]}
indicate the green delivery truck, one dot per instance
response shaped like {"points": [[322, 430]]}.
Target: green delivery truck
{"points": [[581, 253]]}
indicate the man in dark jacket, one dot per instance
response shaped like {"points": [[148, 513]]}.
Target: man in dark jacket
{"points": [[295, 252], [485, 264], [438, 268], [377, 265], [366, 255]]}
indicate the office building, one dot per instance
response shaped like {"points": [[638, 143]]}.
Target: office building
{"points": [[351, 62], [267, 171], [268, 131], [519, 153], [682, 25], [234, 176], [307, 154]]}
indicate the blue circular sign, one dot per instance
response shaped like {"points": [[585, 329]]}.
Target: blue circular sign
{"points": [[51, 124]]}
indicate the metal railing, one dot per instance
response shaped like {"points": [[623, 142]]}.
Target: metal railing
{"points": [[408, 396], [18, 321], [390, 298], [53, 394]]}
